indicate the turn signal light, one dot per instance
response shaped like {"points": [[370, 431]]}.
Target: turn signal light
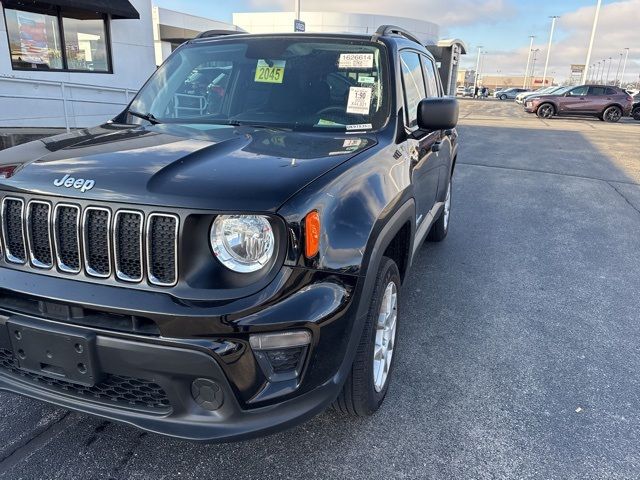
{"points": [[312, 234]]}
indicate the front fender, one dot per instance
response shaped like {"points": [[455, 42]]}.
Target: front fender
{"points": [[355, 202]]}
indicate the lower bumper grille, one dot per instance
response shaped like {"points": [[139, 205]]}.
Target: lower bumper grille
{"points": [[115, 390]]}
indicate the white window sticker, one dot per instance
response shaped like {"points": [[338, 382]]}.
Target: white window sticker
{"points": [[351, 142], [360, 126], [359, 101], [355, 60]]}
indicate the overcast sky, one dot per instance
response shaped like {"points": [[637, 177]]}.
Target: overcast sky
{"points": [[501, 26]]}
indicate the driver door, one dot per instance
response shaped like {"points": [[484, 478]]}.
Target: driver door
{"points": [[574, 101]]}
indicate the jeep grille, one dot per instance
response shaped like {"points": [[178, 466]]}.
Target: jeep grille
{"points": [[100, 241]]}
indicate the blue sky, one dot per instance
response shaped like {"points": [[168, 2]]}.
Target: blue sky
{"points": [[501, 26]]}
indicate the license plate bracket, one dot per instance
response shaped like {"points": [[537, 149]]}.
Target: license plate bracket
{"points": [[56, 352]]}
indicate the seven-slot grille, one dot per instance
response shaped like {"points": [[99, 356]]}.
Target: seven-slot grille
{"points": [[73, 239]]}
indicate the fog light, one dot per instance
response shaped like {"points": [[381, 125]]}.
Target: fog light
{"points": [[207, 393], [281, 355]]}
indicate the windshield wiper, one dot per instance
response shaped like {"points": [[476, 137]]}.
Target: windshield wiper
{"points": [[235, 123], [149, 117]]}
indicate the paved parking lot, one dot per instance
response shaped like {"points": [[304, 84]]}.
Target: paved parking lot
{"points": [[519, 345]]}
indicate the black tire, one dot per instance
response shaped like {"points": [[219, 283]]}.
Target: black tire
{"points": [[636, 113], [359, 396], [440, 228], [612, 114], [546, 110], [502, 97]]}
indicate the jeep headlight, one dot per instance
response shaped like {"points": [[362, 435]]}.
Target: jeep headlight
{"points": [[242, 243]]}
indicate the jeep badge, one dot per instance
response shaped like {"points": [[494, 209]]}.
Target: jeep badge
{"points": [[70, 182]]}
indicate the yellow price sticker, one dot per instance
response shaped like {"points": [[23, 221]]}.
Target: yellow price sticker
{"points": [[273, 73]]}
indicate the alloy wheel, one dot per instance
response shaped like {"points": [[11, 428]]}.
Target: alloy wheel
{"points": [[612, 114], [385, 336], [545, 111]]}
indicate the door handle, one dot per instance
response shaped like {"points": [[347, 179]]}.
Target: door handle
{"points": [[436, 147]]}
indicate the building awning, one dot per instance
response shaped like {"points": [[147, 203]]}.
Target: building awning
{"points": [[115, 8]]}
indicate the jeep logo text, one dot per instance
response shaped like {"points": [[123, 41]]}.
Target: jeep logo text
{"points": [[79, 183]]}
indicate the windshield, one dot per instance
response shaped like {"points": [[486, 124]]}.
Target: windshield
{"points": [[561, 90], [303, 84]]}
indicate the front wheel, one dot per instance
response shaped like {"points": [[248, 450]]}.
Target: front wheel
{"points": [[440, 228], [503, 97], [636, 113], [368, 381], [612, 114], [546, 110]]}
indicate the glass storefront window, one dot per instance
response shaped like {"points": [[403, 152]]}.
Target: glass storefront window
{"points": [[85, 44], [36, 41]]}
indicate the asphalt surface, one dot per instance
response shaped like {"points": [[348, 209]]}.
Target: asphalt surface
{"points": [[518, 348]]}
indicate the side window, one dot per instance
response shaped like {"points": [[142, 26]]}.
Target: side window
{"points": [[611, 91], [413, 83], [578, 91], [430, 75], [596, 91]]}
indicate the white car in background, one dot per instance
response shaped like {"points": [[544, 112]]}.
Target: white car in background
{"points": [[521, 97]]}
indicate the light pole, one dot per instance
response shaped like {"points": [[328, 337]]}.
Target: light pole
{"points": [[593, 36], [475, 77], [618, 69], [297, 9], [546, 63], [604, 64], [526, 70], [608, 71], [624, 68], [533, 67]]}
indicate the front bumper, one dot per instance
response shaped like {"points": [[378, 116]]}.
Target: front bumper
{"points": [[148, 380]]}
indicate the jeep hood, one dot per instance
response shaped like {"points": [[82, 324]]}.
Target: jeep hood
{"points": [[192, 166]]}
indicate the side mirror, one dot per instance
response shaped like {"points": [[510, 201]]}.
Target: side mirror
{"points": [[438, 113]]}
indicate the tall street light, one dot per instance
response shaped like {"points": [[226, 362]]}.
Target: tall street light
{"points": [[526, 70], [546, 63], [593, 36], [608, 71], [618, 69], [297, 9], [533, 67], [475, 79], [624, 68]]}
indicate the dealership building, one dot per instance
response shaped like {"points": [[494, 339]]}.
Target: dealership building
{"points": [[77, 63]]}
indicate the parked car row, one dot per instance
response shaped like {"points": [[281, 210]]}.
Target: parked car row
{"points": [[605, 102]]}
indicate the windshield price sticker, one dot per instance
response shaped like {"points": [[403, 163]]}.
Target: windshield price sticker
{"points": [[270, 72], [359, 101], [356, 60]]}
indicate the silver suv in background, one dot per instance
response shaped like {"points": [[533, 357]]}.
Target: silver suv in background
{"points": [[509, 93]]}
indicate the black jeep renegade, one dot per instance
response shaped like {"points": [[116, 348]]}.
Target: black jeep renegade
{"points": [[224, 258]]}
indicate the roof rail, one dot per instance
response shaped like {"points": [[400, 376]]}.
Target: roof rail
{"points": [[219, 33], [384, 30]]}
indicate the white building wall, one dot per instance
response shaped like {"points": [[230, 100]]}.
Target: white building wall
{"points": [[132, 53], [331, 22]]}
